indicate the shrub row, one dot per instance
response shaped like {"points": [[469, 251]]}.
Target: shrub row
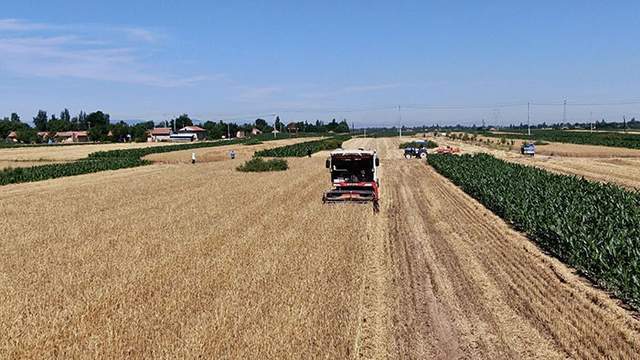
{"points": [[302, 149], [591, 226], [258, 164], [52, 171], [141, 152], [414, 144]]}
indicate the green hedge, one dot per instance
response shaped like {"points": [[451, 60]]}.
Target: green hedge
{"points": [[259, 164], [302, 149], [430, 144], [52, 171], [141, 152], [591, 226]]}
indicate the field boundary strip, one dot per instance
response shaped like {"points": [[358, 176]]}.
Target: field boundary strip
{"points": [[609, 139], [121, 159], [305, 148], [593, 227]]}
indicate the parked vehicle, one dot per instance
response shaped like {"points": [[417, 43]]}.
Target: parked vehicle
{"points": [[528, 149], [418, 151]]}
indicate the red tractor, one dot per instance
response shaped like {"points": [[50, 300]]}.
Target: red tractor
{"points": [[354, 177]]}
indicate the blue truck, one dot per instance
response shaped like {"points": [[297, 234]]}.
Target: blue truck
{"points": [[528, 149]]}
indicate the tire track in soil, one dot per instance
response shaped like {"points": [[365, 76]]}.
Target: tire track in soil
{"points": [[449, 279], [545, 294]]}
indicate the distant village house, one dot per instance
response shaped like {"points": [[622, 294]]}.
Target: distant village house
{"points": [[197, 131], [72, 136], [159, 135], [12, 137]]}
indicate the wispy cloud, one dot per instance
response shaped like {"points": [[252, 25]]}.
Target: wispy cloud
{"points": [[20, 25], [35, 50], [258, 92], [140, 34]]}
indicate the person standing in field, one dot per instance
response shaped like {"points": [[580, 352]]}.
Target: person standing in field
{"points": [[232, 154], [309, 152], [193, 158]]}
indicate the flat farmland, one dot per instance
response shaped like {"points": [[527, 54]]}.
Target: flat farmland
{"points": [[64, 152], [221, 153], [570, 150], [599, 163], [175, 260]]}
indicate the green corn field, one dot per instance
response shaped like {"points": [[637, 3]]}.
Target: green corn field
{"points": [[302, 149], [591, 226]]}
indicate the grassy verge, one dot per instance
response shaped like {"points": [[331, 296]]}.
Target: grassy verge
{"points": [[258, 164], [252, 142], [590, 226], [302, 149]]}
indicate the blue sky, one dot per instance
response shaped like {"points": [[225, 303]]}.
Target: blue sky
{"points": [[441, 61]]}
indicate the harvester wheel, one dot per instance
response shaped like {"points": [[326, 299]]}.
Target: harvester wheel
{"points": [[376, 206], [408, 156]]}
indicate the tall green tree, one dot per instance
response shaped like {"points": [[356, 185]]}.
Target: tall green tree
{"points": [[98, 123], [82, 121], [15, 118], [182, 121], [65, 116], [278, 125], [263, 126], [41, 120], [27, 135]]}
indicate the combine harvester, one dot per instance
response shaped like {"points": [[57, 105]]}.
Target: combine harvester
{"points": [[354, 177]]}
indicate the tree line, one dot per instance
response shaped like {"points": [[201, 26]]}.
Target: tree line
{"points": [[100, 128]]}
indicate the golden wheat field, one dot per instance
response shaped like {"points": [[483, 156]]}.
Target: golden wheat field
{"points": [[175, 260], [64, 153]]}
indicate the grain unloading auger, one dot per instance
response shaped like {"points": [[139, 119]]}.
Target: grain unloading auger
{"points": [[354, 177]]}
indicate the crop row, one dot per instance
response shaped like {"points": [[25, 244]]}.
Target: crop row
{"points": [[302, 149], [98, 161], [52, 171], [591, 226], [613, 139]]}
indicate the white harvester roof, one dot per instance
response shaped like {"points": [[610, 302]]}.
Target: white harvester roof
{"points": [[352, 152]]}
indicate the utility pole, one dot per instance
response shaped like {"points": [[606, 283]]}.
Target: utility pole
{"points": [[591, 121], [399, 121], [228, 132], [564, 111], [529, 119], [624, 123]]}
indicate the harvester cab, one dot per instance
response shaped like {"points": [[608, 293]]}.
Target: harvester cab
{"points": [[354, 176]]}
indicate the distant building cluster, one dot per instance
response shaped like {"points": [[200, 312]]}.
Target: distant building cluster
{"points": [[186, 134], [63, 137]]}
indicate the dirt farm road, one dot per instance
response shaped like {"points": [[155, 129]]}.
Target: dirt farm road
{"points": [[224, 269]]}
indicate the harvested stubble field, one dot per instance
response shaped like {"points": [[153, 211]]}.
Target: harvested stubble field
{"points": [[605, 164], [180, 260], [64, 153], [221, 153], [568, 150]]}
